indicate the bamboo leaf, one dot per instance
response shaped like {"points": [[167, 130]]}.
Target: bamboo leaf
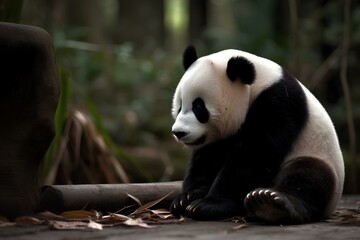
{"points": [[137, 222], [60, 225], [27, 220], [119, 152], [60, 115], [80, 214], [134, 198], [149, 205]]}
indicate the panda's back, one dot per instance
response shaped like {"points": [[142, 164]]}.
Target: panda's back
{"points": [[318, 139]]}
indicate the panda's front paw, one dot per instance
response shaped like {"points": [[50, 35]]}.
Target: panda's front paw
{"points": [[180, 203], [211, 209]]}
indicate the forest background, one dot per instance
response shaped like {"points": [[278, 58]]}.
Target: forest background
{"points": [[120, 61]]}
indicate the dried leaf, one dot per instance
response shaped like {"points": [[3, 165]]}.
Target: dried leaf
{"points": [[134, 198], [76, 225], [162, 213], [115, 217], [149, 205], [81, 145], [4, 222], [137, 222], [92, 220], [80, 214], [49, 216], [146, 215], [7, 224], [27, 220], [95, 226], [345, 215]]}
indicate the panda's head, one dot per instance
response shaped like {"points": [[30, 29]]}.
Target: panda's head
{"points": [[212, 98]]}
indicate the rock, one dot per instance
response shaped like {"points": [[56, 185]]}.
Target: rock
{"points": [[29, 94]]}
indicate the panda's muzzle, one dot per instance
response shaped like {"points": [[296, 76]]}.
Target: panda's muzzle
{"points": [[181, 137], [179, 134]]}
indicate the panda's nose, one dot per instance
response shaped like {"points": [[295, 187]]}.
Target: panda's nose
{"points": [[179, 134]]}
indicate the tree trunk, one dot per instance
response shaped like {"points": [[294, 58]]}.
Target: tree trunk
{"points": [[198, 18], [141, 22]]}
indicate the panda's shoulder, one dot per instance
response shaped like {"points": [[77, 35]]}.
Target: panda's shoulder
{"points": [[282, 101], [284, 89]]}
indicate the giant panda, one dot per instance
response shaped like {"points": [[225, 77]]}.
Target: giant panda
{"points": [[262, 145]]}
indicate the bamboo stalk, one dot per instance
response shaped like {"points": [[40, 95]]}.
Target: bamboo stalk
{"points": [[105, 197]]}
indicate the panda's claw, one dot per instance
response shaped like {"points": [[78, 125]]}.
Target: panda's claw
{"points": [[268, 205], [180, 205], [191, 208]]}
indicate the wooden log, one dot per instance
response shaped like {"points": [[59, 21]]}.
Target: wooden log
{"points": [[105, 197]]}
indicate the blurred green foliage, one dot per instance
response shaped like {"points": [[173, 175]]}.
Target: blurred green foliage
{"points": [[128, 88], [10, 11], [132, 90], [130, 93], [61, 111]]}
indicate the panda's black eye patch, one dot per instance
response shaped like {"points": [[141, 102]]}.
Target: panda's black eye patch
{"points": [[200, 111]]}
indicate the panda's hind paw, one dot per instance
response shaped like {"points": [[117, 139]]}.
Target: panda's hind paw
{"points": [[269, 205]]}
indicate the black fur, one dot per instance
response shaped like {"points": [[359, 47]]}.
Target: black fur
{"points": [[300, 193], [189, 56], [220, 175], [200, 111], [240, 68], [310, 182]]}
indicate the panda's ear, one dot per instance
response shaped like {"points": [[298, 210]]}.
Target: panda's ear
{"points": [[242, 69], [189, 56]]}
